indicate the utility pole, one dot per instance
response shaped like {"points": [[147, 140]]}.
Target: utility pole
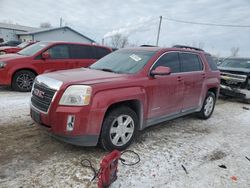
{"points": [[61, 22], [159, 30]]}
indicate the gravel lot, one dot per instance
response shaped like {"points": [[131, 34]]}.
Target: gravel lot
{"points": [[31, 158]]}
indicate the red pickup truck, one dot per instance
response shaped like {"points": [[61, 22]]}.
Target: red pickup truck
{"points": [[19, 70], [124, 92]]}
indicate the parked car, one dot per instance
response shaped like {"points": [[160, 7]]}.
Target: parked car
{"points": [[124, 92], [15, 49], [11, 43], [235, 78], [19, 70]]}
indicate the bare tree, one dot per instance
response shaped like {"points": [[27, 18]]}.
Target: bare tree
{"points": [[119, 41], [235, 51], [45, 25]]}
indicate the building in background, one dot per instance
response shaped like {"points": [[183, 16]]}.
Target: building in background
{"points": [[9, 31], [17, 32], [55, 34]]}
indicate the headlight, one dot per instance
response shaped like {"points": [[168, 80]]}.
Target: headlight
{"points": [[2, 52], [2, 65], [76, 95]]}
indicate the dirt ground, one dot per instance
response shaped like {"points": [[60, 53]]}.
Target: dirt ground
{"points": [[32, 158]]}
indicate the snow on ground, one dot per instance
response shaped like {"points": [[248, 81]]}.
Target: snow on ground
{"points": [[31, 158]]}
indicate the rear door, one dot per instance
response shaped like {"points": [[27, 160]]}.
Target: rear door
{"points": [[82, 55], [167, 91], [193, 75]]}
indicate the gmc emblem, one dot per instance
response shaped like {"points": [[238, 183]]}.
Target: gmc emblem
{"points": [[39, 93]]}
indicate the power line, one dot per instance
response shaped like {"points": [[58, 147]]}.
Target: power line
{"points": [[204, 23]]}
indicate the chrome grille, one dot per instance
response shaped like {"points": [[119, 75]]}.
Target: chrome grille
{"points": [[41, 97]]}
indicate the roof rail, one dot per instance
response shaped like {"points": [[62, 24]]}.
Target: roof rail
{"points": [[187, 47], [148, 45]]}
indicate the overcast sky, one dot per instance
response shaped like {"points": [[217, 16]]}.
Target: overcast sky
{"points": [[139, 20]]}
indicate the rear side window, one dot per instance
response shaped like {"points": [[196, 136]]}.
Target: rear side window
{"points": [[170, 60], [101, 52], [59, 52], [81, 52], [190, 62], [211, 62]]}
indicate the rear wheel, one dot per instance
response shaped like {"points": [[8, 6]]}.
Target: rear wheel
{"points": [[23, 80], [119, 128], [208, 106]]}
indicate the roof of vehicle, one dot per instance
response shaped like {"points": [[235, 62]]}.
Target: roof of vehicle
{"points": [[65, 42], [238, 58], [174, 48]]}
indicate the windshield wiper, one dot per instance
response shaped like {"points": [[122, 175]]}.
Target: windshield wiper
{"points": [[106, 70]]}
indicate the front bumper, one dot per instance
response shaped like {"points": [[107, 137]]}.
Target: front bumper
{"points": [[86, 129], [5, 78], [235, 92]]}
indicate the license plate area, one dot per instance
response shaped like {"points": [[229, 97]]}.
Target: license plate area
{"points": [[36, 116]]}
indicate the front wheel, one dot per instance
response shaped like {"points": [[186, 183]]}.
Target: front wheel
{"points": [[208, 106], [23, 80], [119, 128]]}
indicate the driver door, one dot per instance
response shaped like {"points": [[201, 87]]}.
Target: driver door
{"points": [[167, 95]]}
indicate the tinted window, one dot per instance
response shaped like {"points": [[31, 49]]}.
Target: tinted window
{"points": [[101, 52], [59, 52], [170, 60], [81, 52], [211, 62], [190, 62], [236, 63]]}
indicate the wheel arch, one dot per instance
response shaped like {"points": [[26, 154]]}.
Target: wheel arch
{"points": [[27, 69], [134, 104]]}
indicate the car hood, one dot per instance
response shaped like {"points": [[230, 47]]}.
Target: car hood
{"points": [[234, 70], [84, 76], [9, 57]]}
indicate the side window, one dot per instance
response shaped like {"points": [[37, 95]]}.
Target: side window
{"points": [[101, 52], [170, 60], [59, 52], [190, 62], [211, 62], [81, 52]]}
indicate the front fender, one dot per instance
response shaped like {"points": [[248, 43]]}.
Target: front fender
{"points": [[102, 100]]}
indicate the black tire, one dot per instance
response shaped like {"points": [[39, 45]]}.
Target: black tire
{"points": [[108, 139], [23, 80], [204, 113]]}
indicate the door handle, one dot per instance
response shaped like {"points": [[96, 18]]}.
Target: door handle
{"points": [[203, 75], [179, 78]]}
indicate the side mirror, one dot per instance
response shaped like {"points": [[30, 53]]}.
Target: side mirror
{"points": [[161, 71], [45, 55]]}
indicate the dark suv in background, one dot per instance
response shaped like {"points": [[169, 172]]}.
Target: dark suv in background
{"points": [[235, 78], [19, 70]]}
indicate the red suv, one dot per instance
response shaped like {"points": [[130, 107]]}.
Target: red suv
{"points": [[15, 49], [124, 92], [19, 70]]}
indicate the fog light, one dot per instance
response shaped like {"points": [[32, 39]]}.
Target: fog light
{"points": [[70, 123]]}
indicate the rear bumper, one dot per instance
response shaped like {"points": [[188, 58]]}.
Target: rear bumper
{"points": [[233, 92]]}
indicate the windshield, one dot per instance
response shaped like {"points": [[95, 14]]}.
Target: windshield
{"points": [[22, 45], [124, 61], [33, 49], [236, 63]]}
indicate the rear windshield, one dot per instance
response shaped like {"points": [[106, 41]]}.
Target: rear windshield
{"points": [[236, 63], [124, 61], [33, 49]]}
